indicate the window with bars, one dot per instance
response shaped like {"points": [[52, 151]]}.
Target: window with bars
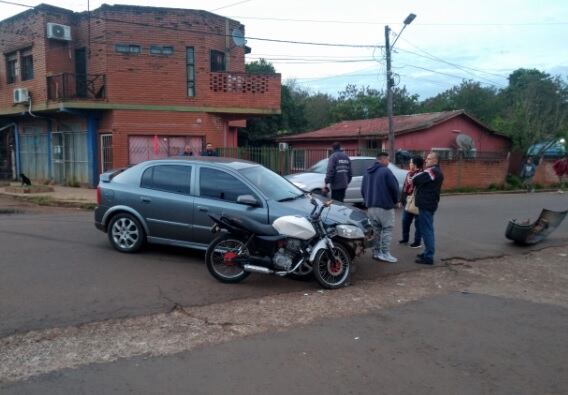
{"points": [[161, 50], [127, 49], [217, 61], [190, 66], [27, 65], [298, 159], [11, 69]]}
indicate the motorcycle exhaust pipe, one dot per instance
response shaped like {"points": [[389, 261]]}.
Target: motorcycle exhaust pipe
{"points": [[257, 269]]}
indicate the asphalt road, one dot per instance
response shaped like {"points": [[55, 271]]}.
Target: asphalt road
{"points": [[58, 270], [451, 344]]}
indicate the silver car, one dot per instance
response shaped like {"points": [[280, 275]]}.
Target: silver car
{"points": [[313, 179], [169, 201]]}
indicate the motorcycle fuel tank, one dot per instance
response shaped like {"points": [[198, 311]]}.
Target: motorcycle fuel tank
{"points": [[294, 226]]}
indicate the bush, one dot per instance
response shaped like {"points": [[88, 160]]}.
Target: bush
{"points": [[513, 181]]}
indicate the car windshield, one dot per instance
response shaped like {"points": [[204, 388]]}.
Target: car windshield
{"points": [[271, 184], [320, 167]]}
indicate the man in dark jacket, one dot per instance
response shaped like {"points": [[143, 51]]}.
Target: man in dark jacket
{"points": [[338, 174], [209, 150], [380, 194], [428, 185]]}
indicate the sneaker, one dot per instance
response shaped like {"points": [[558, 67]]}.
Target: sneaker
{"points": [[378, 256], [387, 257], [420, 256], [403, 241], [416, 245]]}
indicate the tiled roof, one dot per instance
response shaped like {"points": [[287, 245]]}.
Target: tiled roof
{"points": [[367, 127]]}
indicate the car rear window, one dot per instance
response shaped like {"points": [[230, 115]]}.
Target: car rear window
{"points": [[167, 178]]}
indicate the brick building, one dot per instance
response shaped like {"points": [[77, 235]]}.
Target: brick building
{"points": [[445, 132], [83, 92]]}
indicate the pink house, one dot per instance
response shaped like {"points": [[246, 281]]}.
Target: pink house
{"points": [[437, 131]]}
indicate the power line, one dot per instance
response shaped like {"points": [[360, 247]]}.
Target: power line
{"points": [[434, 57], [14, 3], [230, 5], [471, 75], [446, 74], [348, 74], [248, 37], [313, 60], [335, 21], [284, 56], [325, 44]]}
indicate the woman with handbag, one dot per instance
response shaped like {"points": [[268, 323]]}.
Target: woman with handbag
{"points": [[410, 212]]}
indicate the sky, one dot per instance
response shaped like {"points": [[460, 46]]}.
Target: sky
{"points": [[447, 42]]}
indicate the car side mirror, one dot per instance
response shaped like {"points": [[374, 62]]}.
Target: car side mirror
{"points": [[249, 200]]}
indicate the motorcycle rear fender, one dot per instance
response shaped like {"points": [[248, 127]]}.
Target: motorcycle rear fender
{"points": [[321, 245]]}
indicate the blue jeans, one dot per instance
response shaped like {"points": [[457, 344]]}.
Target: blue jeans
{"points": [[426, 225], [407, 219]]}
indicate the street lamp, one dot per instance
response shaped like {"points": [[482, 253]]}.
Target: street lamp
{"points": [[390, 81]]}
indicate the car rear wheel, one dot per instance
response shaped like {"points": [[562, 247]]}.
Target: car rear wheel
{"points": [[125, 233]]}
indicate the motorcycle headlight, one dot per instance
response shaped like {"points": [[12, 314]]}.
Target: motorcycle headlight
{"points": [[349, 232]]}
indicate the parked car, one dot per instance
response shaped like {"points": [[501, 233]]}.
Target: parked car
{"points": [[313, 179], [169, 201]]}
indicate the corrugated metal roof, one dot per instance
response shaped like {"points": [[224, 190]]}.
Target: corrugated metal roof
{"points": [[379, 126]]}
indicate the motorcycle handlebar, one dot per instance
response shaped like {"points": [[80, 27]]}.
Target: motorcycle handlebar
{"points": [[315, 212]]}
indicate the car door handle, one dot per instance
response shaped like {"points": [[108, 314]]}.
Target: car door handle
{"points": [[202, 208], [146, 200]]}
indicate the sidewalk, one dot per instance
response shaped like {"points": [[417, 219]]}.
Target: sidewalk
{"points": [[61, 196]]}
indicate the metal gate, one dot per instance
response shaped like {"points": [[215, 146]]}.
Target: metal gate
{"points": [[34, 157], [106, 152], [70, 158], [142, 148]]}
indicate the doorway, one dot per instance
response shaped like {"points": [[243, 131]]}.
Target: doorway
{"points": [[81, 72]]}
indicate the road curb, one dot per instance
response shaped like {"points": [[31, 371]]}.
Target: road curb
{"points": [[43, 200]]}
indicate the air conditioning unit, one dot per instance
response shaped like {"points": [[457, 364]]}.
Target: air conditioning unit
{"points": [[282, 146], [58, 32], [21, 95]]}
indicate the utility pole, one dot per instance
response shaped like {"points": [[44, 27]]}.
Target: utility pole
{"points": [[389, 94], [390, 82]]}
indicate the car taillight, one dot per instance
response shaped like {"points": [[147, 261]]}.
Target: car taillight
{"points": [[99, 198]]}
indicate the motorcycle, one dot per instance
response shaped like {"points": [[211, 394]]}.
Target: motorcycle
{"points": [[292, 246]]}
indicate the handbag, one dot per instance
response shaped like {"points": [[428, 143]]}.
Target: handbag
{"points": [[411, 204]]}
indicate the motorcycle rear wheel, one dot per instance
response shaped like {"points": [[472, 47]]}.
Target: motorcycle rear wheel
{"points": [[332, 273], [219, 255]]}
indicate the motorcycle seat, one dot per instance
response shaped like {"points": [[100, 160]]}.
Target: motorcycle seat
{"points": [[253, 226]]}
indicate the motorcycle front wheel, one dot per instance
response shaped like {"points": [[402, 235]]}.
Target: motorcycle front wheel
{"points": [[332, 271], [220, 256]]}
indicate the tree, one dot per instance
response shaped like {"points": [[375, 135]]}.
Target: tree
{"points": [[479, 101], [535, 109], [359, 103], [317, 110], [403, 102], [261, 66], [292, 118]]}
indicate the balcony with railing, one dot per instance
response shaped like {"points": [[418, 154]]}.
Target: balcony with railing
{"points": [[67, 86], [245, 89]]}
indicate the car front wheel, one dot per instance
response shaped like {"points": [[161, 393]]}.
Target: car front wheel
{"points": [[125, 233]]}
